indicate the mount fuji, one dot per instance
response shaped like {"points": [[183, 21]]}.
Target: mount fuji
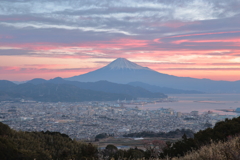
{"points": [[124, 71], [120, 70]]}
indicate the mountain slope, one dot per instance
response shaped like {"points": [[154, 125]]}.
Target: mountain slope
{"points": [[105, 86], [122, 63], [165, 90], [123, 71], [37, 81], [49, 92], [4, 84], [19, 145]]}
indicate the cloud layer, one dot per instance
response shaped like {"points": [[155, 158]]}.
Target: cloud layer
{"points": [[166, 35]]}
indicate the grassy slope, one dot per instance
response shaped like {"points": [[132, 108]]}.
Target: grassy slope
{"points": [[229, 150]]}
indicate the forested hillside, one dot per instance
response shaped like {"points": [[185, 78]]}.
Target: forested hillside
{"points": [[41, 146], [48, 92], [19, 145]]}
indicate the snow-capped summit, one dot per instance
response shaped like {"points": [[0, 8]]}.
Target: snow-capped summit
{"points": [[123, 63], [123, 71]]}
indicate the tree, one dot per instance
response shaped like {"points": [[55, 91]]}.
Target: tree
{"points": [[154, 147], [109, 151]]}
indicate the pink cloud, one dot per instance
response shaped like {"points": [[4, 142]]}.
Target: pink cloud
{"points": [[202, 69], [16, 73], [201, 34], [232, 40], [38, 66], [181, 41], [17, 69], [124, 47], [133, 49]]}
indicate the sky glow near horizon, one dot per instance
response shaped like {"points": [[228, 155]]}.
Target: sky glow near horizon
{"points": [[187, 38]]}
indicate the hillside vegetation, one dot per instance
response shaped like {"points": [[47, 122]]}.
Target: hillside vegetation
{"points": [[42, 146], [220, 132], [229, 150], [104, 86], [219, 143], [60, 90], [49, 92]]}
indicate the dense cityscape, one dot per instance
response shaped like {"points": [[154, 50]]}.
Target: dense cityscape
{"points": [[87, 119]]}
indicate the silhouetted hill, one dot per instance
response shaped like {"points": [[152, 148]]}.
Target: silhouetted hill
{"points": [[227, 150], [220, 132], [19, 145], [165, 90], [37, 81], [105, 86], [218, 142], [4, 84], [121, 88], [50, 92]]}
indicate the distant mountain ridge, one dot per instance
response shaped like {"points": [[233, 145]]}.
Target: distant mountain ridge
{"points": [[4, 84], [165, 90], [104, 86], [49, 92], [37, 81], [123, 71]]}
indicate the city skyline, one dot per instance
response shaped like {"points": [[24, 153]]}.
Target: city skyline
{"points": [[198, 38]]}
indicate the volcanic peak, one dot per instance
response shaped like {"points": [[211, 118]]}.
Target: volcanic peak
{"points": [[123, 63]]}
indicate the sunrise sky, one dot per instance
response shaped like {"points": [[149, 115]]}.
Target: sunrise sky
{"points": [[188, 38]]}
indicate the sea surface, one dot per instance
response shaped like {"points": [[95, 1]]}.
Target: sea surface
{"points": [[199, 102]]}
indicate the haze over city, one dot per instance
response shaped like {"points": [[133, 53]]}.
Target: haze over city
{"points": [[190, 38]]}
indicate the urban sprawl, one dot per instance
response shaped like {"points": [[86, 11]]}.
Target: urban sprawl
{"points": [[85, 120]]}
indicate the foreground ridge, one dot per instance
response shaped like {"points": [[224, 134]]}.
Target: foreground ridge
{"points": [[221, 144]]}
